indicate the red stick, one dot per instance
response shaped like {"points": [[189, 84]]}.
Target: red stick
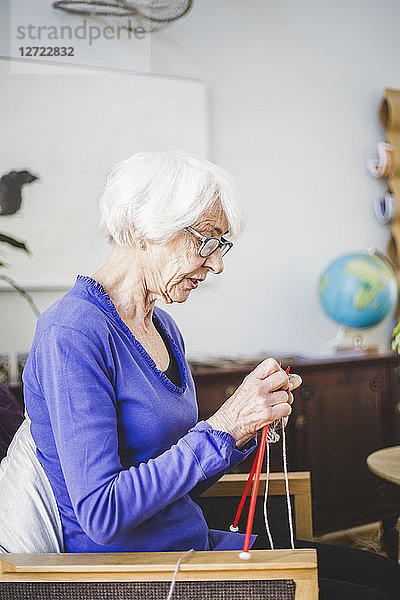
{"points": [[246, 489], [253, 499]]}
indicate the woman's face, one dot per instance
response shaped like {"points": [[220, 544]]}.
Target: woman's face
{"points": [[178, 267]]}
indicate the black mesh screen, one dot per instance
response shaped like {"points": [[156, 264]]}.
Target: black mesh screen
{"points": [[184, 590], [220, 513]]}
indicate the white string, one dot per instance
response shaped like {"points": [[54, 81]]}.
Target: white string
{"points": [[289, 505], [271, 543], [178, 564]]}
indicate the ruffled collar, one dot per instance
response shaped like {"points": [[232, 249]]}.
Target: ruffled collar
{"points": [[98, 290]]}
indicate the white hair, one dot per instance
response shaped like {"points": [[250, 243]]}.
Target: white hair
{"points": [[157, 194]]}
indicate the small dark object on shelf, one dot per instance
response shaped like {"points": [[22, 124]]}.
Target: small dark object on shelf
{"points": [[21, 361], [4, 368]]}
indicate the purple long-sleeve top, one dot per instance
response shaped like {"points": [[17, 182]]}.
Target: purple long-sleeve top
{"points": [[119, 442]]}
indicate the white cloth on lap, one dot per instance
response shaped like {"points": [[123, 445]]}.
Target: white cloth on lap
{"points": [[29, 517]]}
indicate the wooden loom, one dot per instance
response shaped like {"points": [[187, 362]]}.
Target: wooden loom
{"points": [[299, 566]]}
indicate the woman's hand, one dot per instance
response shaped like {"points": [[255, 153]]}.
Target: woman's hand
{"points": [[264, 396]]}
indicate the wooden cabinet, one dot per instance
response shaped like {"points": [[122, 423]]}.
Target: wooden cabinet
{"points": [[346, 408]]}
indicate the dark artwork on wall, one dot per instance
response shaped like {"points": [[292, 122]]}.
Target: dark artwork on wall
{"points": [[11, 190]]}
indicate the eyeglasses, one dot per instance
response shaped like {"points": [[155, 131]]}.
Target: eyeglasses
{"points": [[211, 244]]}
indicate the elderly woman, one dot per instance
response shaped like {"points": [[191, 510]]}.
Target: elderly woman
{"points": [[107, 387], [110, 395]]}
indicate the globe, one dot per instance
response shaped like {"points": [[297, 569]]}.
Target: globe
{"points": [[358, 290]]}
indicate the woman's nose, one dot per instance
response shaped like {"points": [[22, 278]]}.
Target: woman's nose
{"points": [[214, 262]]}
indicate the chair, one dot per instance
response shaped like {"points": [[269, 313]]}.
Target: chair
{"points": [[268, 575]]}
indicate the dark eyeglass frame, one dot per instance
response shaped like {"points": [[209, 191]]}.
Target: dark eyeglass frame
{"points": [[223, 244]]}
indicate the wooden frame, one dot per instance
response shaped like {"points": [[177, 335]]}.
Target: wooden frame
{"points": [[299, 487], [298, 565]]}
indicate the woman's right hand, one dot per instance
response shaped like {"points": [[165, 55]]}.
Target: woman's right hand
{"points": [[264, 396]]}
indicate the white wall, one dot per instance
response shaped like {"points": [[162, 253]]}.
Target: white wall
{"points": [[293, 90]]}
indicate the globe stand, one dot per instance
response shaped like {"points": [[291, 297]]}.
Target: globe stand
{"points": [[350, 339]]}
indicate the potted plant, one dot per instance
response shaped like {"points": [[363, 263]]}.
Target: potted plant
{"points": [[6, 239], [396, 339]]}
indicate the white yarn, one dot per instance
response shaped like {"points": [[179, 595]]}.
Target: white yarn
{"points": [[271, 543], [288, 503], [178, 564]]}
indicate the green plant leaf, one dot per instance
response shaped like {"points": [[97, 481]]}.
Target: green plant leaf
{"points": [[396, 339], [23, 293], [6, 239], [396, 330]]}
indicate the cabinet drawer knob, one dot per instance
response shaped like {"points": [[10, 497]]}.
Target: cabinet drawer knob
{"points": [[375, 384], [230, 390]]}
